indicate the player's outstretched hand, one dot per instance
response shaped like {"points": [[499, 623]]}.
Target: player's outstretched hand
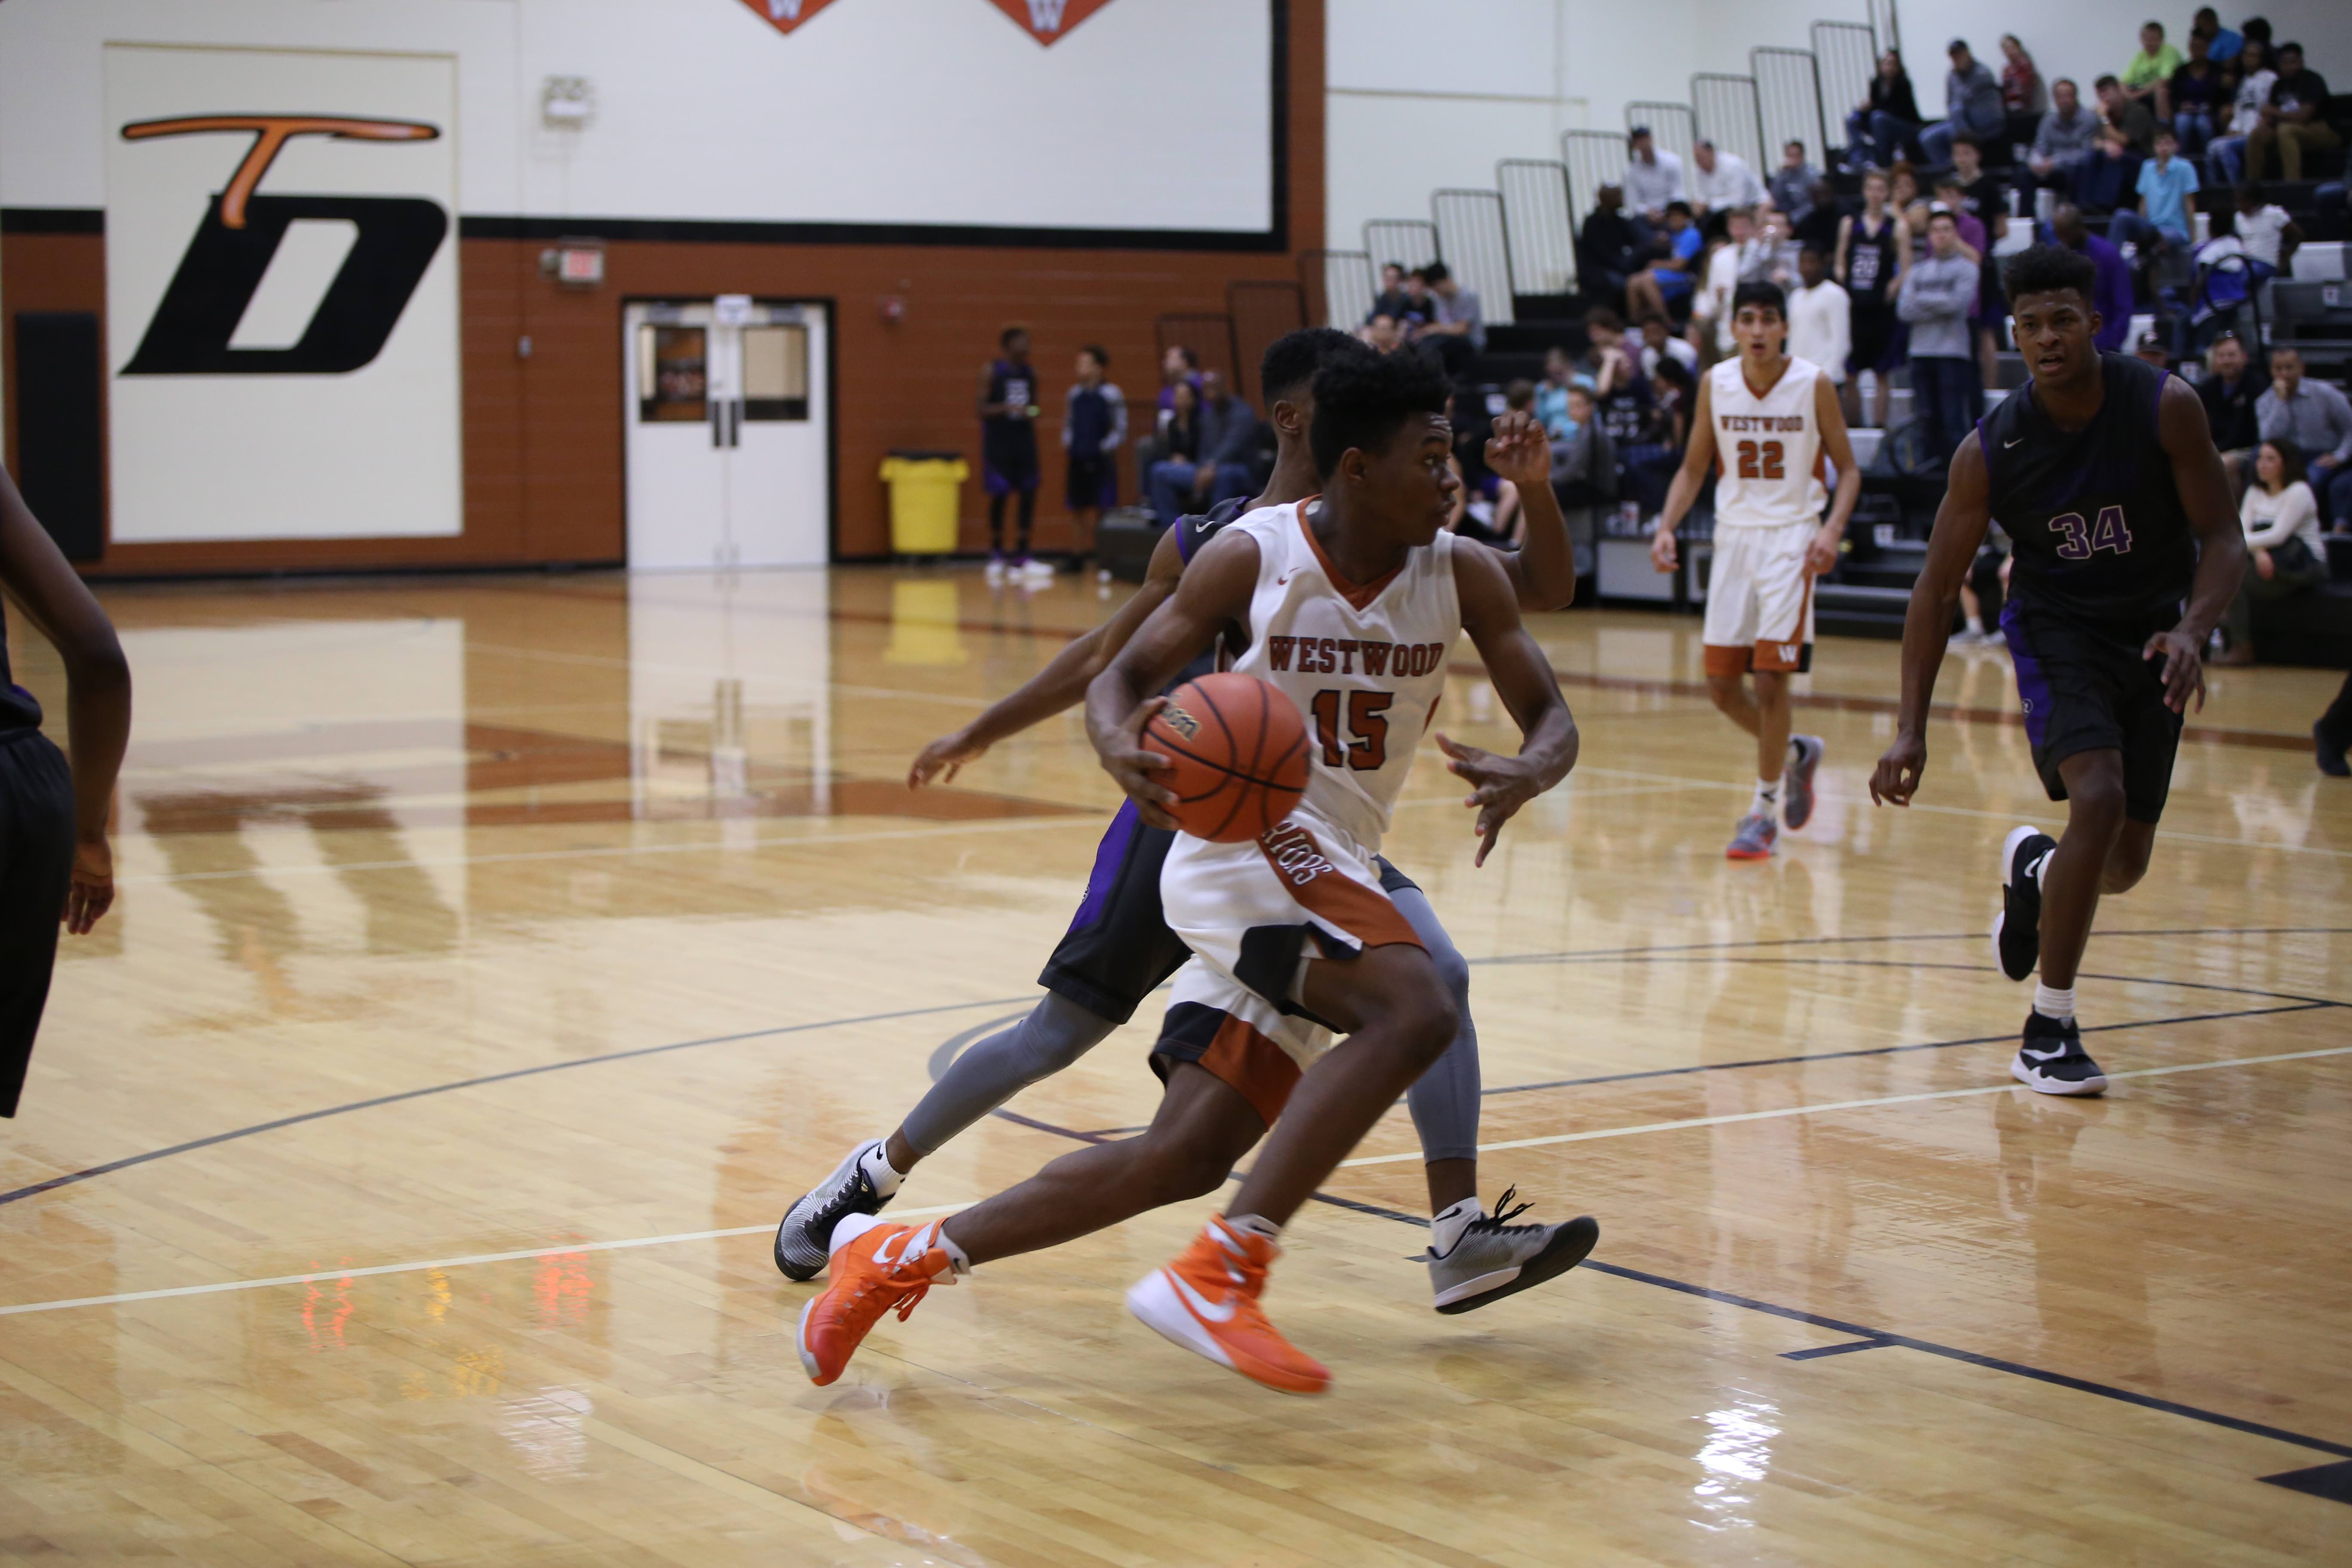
{"points": [[944, 758], [1503, 785], [2184, 669], [1661, 550], [1133, 767], [90, 892], [1519, 450], [1897, 777]]}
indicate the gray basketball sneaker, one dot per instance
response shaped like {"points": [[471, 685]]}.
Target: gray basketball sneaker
{"points": [[1754, 839], [805, 1240], [1493, 1259], [1805, 753]]}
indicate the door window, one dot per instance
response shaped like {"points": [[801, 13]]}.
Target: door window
{"points": [[673, 380], [775, 372]]}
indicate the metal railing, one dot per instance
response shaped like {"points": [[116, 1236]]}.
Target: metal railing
{"points": [[1672, 127], [1475, 243], [1337, 286], [1725, 108], [1261, 311], [1846, 56], [1409, 242], [1788, 103], [1539, 224], [1594, 159]]}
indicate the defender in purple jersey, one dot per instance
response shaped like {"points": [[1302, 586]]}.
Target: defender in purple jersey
{"points": [[2103, 472], [1119, 949]]}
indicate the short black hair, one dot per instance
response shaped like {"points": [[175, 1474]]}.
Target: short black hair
{"points": [[2255, 28], [2151, 22], [1607, 320], [2286, 48], [1674, 370], [2291, 460], [1771, 295], [1097, 352], [1291, 360], [1968, 138], [1361, 401], [1679, 206], [2105, 81], [1004, 339], [2250, 192], [1436, 272], [2047, 269]]}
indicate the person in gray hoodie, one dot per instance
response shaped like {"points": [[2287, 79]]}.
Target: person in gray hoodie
{"points": [[1971, 104], [1937, 293]]}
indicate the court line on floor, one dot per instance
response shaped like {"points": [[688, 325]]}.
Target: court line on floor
{"points": [[1820, 1108]]}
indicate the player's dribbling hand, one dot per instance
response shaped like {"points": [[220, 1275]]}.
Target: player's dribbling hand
{"points": [[1661, 550], [944, 758], [2184, 669], [1519, 450], [1133, 768], [90, 892], [1503, 785], [1897, 777]]}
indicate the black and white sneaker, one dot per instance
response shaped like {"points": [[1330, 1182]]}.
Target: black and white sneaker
{"points": [[2017, 930], [2051, 1059], [1493, 1258], [805, 1240]]}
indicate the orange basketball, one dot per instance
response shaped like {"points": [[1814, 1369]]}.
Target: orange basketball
{"points": [[1236, 751]]}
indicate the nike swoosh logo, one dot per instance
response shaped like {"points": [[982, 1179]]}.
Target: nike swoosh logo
{"points": [[2005, 446], [1285, 577], [882, 1258], [1200, 1306], [2042, 1055]]}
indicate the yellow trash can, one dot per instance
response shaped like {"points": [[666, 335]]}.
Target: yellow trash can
{"points": [[924, 491]]}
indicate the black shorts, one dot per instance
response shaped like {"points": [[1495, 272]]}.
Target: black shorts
{"points": [[1872, 331], [2086, 687], [36, 846], [1093, 483]]}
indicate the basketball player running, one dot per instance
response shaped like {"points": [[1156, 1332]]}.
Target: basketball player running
{"points": [[2102, 471], [1120, 950], [1293, 937], [1765, 421]]}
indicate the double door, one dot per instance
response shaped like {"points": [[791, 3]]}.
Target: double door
{"points": [[729, 434]]}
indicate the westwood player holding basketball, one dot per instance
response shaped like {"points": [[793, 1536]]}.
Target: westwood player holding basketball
{"points": [[1295, 940], [2103, 472]]}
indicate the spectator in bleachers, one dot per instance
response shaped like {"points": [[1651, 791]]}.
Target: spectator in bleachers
{"points": [[2265, 232], [1792, 183], [2229, 393], [1654, 178], [1225, 432], [1821, 318], [1972, 103], [1728, 265], [1937, 293], [2128, 114], [1873, 247], [1671, 275], [2066, 139], [2150, 350], [2021, 91], [1889, 118], [1819, 226], [1658, 342], [1903, 192], [1974, 245], [1384, 334], [2111, 294], [1419, 304], [1648, 461], [1608, 251], [1179, 440], [1583, 474], [2111, 179], [1457, 332], [1179, 366], [2317, 418], [2225, 157], [2146, 72], [1612, 365], [2291, 121], [1390, 300], [2285, 553], [1093, 428], [1551, 392], [2196, 97], [2222, 43], [2159, 221], [1721, 180]]}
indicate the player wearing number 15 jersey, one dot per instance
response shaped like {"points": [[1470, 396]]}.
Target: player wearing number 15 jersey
{"points": [[1768, 424], [2102, 471]]}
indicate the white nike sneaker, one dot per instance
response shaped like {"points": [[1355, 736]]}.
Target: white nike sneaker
{"points": [[1493, 1258]]}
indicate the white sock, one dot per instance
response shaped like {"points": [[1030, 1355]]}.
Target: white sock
{"points": [[1446, 1228], [1251, 1225], [936, 1234], [1768, 797], [2053, 1003], [1976, 626], [875, 1160]]}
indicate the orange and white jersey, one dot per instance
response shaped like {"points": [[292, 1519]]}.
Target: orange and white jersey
{"points": [[1767, 448], [1365, 664]]}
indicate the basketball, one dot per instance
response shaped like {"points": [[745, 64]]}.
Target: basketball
{"points": [[1236, 751]]}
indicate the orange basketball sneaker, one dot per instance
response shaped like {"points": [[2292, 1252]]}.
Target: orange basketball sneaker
{"points": [[1207, 1302], [876, 1266]]}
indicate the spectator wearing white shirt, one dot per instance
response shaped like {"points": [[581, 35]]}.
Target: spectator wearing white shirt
{"points": [[2264, 231], [1743, 257], [1722, 181], [1658, 342], [1820, 317], [2225, 156], [2285, 553], [1652, 178]]}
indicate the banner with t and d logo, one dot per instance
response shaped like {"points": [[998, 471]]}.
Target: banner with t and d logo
{"points": [[281, 277]]}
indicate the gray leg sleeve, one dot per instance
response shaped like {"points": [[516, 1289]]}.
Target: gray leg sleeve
{"points": [[1445, 1102], [1057, 1033]]}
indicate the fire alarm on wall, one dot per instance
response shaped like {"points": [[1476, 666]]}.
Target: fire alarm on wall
{"points": [[573, 263], [893, 307]]}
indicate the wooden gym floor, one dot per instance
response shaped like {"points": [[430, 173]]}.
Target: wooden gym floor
{"points": [[498, 957]]}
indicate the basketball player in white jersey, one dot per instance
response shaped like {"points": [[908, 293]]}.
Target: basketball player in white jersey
{"points": [[1767, 423], [1349, 604]]}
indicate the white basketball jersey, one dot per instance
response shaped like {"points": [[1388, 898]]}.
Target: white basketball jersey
{"points": [[1365, 665], [1768, 450]]}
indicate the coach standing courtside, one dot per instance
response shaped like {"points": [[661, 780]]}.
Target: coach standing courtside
{"points": [[54, 860]]}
